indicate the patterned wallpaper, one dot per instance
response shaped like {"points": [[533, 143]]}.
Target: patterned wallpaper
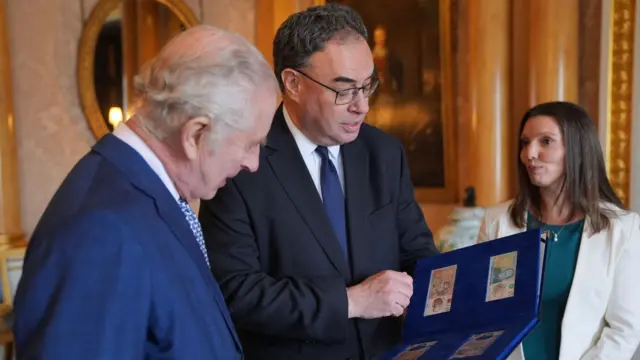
{"points": [[51, 130], [50, 127]]}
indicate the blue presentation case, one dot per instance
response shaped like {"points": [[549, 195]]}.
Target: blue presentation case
{"points": [[497, 326]]}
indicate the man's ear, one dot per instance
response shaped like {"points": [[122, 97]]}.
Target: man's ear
{"points": [[291, 82], [193, 133]]}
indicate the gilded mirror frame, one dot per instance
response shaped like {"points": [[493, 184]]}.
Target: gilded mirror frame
{"points": [[86, 56]]}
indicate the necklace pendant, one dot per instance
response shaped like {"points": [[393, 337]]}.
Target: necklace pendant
{"points": [[555, 237]]}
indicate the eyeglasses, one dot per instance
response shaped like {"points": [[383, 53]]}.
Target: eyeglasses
{"points": [[347, 96]]}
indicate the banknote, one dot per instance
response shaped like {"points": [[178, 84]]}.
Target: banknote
{"points": [[477, 344], [413, 352], [441, 287], [502, 276]]}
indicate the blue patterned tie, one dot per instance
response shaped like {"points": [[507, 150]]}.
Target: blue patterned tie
{"points": [[195, 226], [333, 198]]}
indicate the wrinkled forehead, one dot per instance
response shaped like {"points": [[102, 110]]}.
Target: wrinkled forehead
{"points": [[349, 58]]}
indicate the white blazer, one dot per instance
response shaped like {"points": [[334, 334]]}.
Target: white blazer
{"points": [[602, 317]]}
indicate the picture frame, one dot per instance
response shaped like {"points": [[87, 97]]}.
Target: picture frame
{"points": [[415, 100]]}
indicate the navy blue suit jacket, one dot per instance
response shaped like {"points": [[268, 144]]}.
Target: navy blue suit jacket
{"points": [[113, 271]]}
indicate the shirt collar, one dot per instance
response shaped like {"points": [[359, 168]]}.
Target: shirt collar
{"points": [[124, 133], [305, 145]]}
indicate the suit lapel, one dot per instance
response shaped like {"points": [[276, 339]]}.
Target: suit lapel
{"points": [[143, 178], [594, 255], [290, 170], [355, 162], [175, 218]]}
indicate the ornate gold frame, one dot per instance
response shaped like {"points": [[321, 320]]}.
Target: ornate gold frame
{"points": [[448, 193], [11, 233], [620, 95], [86, 86]]}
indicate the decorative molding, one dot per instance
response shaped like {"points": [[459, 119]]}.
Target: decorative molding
{"points": [[620, 95], [634, 178], [603, 91], [11, 233], [86, 54]]}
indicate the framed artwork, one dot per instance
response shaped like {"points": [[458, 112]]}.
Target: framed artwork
{"points": [[412, 45]]}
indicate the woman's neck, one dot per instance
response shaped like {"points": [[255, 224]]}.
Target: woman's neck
{"points": [[555, 209]]}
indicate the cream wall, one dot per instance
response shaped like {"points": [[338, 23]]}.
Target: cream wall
{"points": [[50, 127], [51, 130]]}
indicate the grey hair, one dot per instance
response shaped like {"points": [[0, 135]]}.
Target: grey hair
{"points": [[204, 71], [307, 32]]}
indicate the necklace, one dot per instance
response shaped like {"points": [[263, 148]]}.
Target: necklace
{"points": [[547, 233], [555, 234]]}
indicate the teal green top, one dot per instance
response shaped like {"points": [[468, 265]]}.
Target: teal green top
{"points": [[543, 343]]}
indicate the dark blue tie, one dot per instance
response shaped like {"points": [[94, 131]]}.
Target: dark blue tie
{"points": [[333, 198]]}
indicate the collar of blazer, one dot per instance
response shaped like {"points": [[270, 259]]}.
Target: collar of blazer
{"points": [[604, 291], [499, 216], [142, 177]]}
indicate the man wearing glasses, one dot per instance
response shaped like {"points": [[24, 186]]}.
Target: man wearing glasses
{"points": [[314, 251]]}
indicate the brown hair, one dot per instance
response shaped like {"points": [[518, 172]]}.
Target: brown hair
{"points": [[585, 183]]}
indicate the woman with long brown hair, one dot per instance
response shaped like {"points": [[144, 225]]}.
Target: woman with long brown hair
{"points": [[590, 305]]}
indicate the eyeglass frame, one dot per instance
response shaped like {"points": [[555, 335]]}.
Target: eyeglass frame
{"points": [[375, 82]]}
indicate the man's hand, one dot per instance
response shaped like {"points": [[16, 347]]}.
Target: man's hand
{"points": [[386, 293]]}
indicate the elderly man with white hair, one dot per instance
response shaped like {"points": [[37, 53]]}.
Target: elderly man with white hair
{"points": [[116, 268]]}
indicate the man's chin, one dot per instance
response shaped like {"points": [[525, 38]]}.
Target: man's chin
{"points": [[348, 137], [210, 195], [213, 193]]}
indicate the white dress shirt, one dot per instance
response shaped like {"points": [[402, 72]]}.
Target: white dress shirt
{"points": [[124, 133], [311, 158]]}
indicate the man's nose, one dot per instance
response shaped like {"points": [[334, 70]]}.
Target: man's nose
{"points": [[360, 104], [252, 161]]}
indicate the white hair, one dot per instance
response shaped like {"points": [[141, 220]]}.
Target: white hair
{"points": [[204, 71]]}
